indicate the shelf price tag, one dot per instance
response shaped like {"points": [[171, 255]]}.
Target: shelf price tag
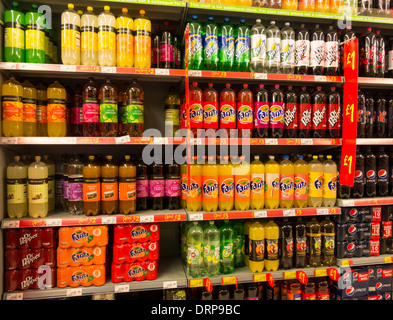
{"points": [[109, 220], [271, 142], [14, 296], [262, 76], [169, 284], [162, 72], [121, 288], [289, 213], [387, 259], [289, 275], [53, 222], [302, 276], [322, 211], [333, 274], [195, 283], [146, 219], [196, 216], [259, 277], [270, 279], [75, 292], [320, 273], [226, 281], [260, 214], [10, 224]]}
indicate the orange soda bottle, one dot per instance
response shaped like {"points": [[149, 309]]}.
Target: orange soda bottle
{"points": [[210, 185], [307, 5], [257, 184], [321, 6], [196, 108], [242, 185], [290, 5], [225, 184], [336, 6], [194, 200], [287, 184]]}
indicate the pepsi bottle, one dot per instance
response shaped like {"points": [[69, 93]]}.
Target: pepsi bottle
{"points": [[389, 126], [358, 184], [380, 116], [369, 116], [291, 113], [370, 168], [333, 113], [361, 120], [382, 172]]}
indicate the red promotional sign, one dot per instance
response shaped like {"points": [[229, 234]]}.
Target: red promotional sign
{"points": [[349, 120], [302, 276], [208, 284]]}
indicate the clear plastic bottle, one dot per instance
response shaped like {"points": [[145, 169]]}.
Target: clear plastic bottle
{"points": [[315, 182], [124, 39], [89, 38], [17, 189], [287, 61], [37, 175], [211, 249], [227, 260], [59, 183], [42, 105], [70, 36], [242, 47], [14, 34], [258, 47], [51, 182], [75, 186], [57, 123], [35, 36], [194, 251], [106, 38], [12, 107], [29, 109], [273, 43]]}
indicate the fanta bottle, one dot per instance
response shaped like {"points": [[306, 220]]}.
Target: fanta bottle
{"points": [[287, 185], [210, 109], [256, 247], [227, 109], [272, 234], [247, 226], [272, 189], [257, 184], [245, 112], [242, 185], [184, 185], [196, 108], [321, 6], [142, 41], [329, 182], [124, 40], [225, 184], [301, 183], [194, 200], [315, 182], [210, 185]]}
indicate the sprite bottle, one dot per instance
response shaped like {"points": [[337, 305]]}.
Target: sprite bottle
{"points": [[242, 47], [210, 45], [14, 34], [273, 41], [227, 259], [195, 44], [227, 46], [258, 47]]}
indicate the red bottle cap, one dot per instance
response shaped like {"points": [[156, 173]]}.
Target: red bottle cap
{"points": [[245, 85]]}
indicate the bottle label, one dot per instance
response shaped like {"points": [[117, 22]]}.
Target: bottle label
{"points": [[29, 110], [304, 116], [211, 48], [301, 186], [142, 42], [226, 191], [12, 107], [210, 190], [134, 113], [210, 115], [195, 189], [315, 184], [257, 185], [109, 189], [256, 250], [272, 249], [261, 115], [227, 48], [318, 116], [317, 55], [242, 49], [57, 110], [194, 254], [314, 244], [290, 117], [142, 188], [172, 188], [65, 187], [242, 187], [196, 46], [276, 115], [302, 55], [272, 185], [70, 36], [91, 113], [309, 296], [14, 35], [166, 53], [35, 37], [287, 53], [157, 188], [37, 191], [172, 117], [334, 112], [42, 116], [244, 115], [124, 41], [328, 244], [108, 112], [258, 48], [323, 296], [76, 115], [228, 115], [91, 189], [16, 191], [196, 114], [106, 38], [227, 252], [301, 246], [294, 295], [183, 116], [75, 189], [381, 116], [368, 55], [288, 247], [287, 187], [390, 60], [273, 51], [184, 186], [331, 54], [211, 253], [330, 185], [89, 38], [127, 188]]}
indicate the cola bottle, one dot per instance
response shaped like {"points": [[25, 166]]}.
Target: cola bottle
{"points": [[390, 58], [343, 192], [331, 52], [389, 125], [347, 35], [302, 52], [304, 122], [361, 119], [317, 53], [380, 116], [369, 116], [333, 113], [380, 63], [291, 113], [391, 172], [318, 118], [261, 112], [368, 54], [276, 114], [370, 168], [382, 172], [358, 183]]}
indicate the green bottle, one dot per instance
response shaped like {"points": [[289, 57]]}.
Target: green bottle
{"points": [[239, 244], [35, 36], [14, 34], [210, 46], [195, 44], [227, 46], [242, 47], [211, 249], [227, 261], [46, 32]]}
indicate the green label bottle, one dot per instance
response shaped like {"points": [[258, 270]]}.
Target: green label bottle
{"points": [[195, 44], [210, 46], [227, 46], [35, 36], [14, 34]]}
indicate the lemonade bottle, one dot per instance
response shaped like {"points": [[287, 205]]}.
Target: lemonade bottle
{"points": [[194, 200], [195, 250], [242, 184], [272, 187], [257, 184], [256, 247], [210, 185], [315, 182], [51, 182], [287, 185], [124, 39], [17, 189], [225, 184], [42, 116], [272, 234], [211, 249], [12, 106], [70, 36], [35, 36], [301, 183], [14, 34], [29, 109], [226, 248], [247, 226], [184, 185], [106, 38], [57, 123], [37, 175], [329, 193], [142, 41], [89, 38]]}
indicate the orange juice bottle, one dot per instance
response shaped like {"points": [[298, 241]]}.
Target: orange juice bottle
{"points": [[307, 5], [29, 109], [257, 184], [336, 6], [57, 122], [290, 5], [42, 116], [142, 41], [242, 184], [321, 6], [225, 185], [12, 106], [194, 200], [210, 185]]}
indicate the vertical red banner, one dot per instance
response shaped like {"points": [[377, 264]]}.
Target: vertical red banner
{"points": [[349, 113]]}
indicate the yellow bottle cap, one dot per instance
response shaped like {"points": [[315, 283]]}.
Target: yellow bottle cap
{"points": [[71, 6], [107, 8], [315, 157], [124, 10], [90, 9], [80, 12], [142, 12]]}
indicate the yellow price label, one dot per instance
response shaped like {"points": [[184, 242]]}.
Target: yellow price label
{"points": [[225, 281], [259, 277], [388, 259], [195, 283], [345, 263], [320, 273], [288, 275]]}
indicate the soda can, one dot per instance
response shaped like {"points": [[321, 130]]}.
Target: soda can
{"points": [[358, 249], [364, 231], [345, 249], [346, 231]]}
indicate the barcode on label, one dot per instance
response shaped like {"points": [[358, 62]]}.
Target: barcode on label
{"points": [[68, 68], [123, 139], [14, 296], [320, 78], [109, 69], [271, 142], [196, 216], [149, 218], [322, 211], [169, 285], [74, 292], [162, 72], [288, 213], [195, 73], [262, 76], [120, 288], [53, 222], [306, 142], [109, 220], [260, 214]]}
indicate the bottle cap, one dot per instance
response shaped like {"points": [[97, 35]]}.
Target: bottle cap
{"points": [[258, 20], [195, 16], [210, 18], [290, 87], [328, 157], [226, 19], [124, 10], [211, 222], [285, 156], [91, 157], [369, 29], [300, 156], [194, 84], [127, 157], [210, 84], [319, 88], [107, 8], [71, 6], [242, 20], [277, 86], [261, 86], [287, 24], [37, 158], [109, 157], [142, 12], [272, 22], [166, 23], [89, 9], [14, 3], [228, 85], [315, 157], [256, 157], [16, 158], [245, 85]]}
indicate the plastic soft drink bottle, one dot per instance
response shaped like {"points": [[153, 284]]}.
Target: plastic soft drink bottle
{"points": [[368, 54], [157, 185], [272, 235], [287, 185], [106, 38], [382, 170], [91, 110], [302, 53], [328, 242], [247, 247], [29, 109], [57, 125], [343, 192], [35, 36], [242, 47], [14, 34], [166, 58], [276, 112], [194, 200], [273, 42], [286, 244], [227, 109], [318, 117], [89, 38], [258, 47], [42, 116], [242, 184], [211, 249], [301, 183], [172, 113], [370, 115], [142, 186], [257, 184], [261, 112], [12, 107], [380, 116], [329, 182], [287, 46], [75, 186], [195, 44], [317, 53], [76, 113], [127, 186], [291, 113], [17, 189], [184, 185], [155, 48], [195, 250], [196, 108], [109, 186], [346, 35], [108, 97], [172, 186], [227, 46], [142, 41], [389, 127], [211, 46], [91, 187], [361, 118], [333, 113], [70, 36], [315, 182], [37, 175], [226, 248], [306, 5], [238, 244], [305, 112], [245, 112], [226, 185], [272, 178], [210, 185], [210, 109], [134, 110], [300, 246], [124, 40], [51, 182], [358, 183], [313, 243], [256, 247], [332, 55]]}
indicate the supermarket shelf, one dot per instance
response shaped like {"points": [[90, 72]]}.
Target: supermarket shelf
{"points": [[364, 202], [59, 219], [170, 274], [372, 260], [275, 213], [374, 141], [364, 82]]}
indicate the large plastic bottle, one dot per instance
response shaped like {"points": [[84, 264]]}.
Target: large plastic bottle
{"points": [[12, 107], [258, 47], [211, 46], [166, 53], [210, 185], [29, 109], [106, 38], [273, 43], [51, 182], [242, 47], [226, 248], [17, 189], [14, 34], [91, 187], [91, 109], [89, 38], [194, 199], [302, 53], [109, 186], [313, 232], [287, 185], [127, 186], [57, 121], [211, 249], [195, 44], [225, 185], [195, 251], [227, 46], [257, 184], [256, 247], [42, 111], [238, 244], [242, 184], [70, 36], [301, 183], [142, 41], [108, 97], [272, 234], [124, 39], [287, 47], [37, 175], [134, 110], [272, 174], [75, 186], [35, 36], [315, 182], [317, 51], [329, 193]]}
